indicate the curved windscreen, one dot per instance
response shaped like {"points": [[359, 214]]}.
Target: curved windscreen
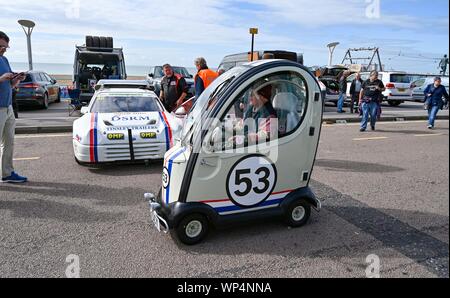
{"points": [[121, 102], [210, 97]]}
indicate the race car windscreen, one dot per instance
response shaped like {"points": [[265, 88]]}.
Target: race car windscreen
{"points": [[119, 103]]}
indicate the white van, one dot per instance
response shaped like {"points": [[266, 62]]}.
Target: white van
{"points": [[211, 179], [397, 83]]}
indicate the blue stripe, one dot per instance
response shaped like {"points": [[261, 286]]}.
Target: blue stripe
{"points": [[237, 208], [169, 169], [95, 137], [166, 128]]}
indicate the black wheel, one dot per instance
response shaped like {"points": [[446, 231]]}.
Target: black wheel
{"points": [[58, 98], [109, 42], [394, 103], [103, 42], [89, 41], [298, 213], [45, 102], [192, 229], [95, 41]]}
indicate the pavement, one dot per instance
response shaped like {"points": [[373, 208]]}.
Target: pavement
{"points": [[56, 119], [384, 194]]}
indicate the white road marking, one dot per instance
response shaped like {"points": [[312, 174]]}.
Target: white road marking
{"points": [[42, 136], [26, 158], [370, 139]]}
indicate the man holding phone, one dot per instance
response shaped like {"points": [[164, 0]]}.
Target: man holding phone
{"points": [[8, 81]]}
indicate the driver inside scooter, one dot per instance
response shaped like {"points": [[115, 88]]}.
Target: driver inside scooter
{"points": [[259, 122]]}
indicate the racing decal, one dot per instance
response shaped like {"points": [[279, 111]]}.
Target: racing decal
{"points": [[115, 136], [122, 128], [93, 138], [251, 181], [168, 129], [167, 173], [148, 135], [226, 206]]}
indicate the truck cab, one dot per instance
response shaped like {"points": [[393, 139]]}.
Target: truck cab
{"points": [[96, 60]]}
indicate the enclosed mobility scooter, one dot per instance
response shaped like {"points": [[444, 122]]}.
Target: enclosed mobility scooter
{"points": [[246, 152]]}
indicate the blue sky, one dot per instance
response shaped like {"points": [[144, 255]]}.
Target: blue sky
{"points": [[410, 33]]}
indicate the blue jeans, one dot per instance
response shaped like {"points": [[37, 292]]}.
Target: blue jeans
{"points": [[341, 101], [432, 113], [369, 109]]}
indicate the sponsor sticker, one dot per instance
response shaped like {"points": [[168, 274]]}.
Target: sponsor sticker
{"points": [[148, 135], [115, 136]]}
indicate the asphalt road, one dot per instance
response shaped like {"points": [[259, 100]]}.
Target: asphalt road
{"points": [[384, 193]]}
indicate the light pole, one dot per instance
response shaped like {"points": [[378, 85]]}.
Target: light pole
{"points": [[28, 27], [253, 32], [331, 47]]}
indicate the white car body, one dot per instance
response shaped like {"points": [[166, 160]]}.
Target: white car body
{"points": [[100, 137], [397, 83], [420, 85]]}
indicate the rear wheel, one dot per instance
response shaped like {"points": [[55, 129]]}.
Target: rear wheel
{"points": [[45, 102], [192, 229], [298, 213]]}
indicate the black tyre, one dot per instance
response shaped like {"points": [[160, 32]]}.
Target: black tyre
{"points": [[192, 229], [58, 98], [89, 41], [95, 41], [103, 42], [394, 103], [109, 42], [298, 213], [45, 102]]}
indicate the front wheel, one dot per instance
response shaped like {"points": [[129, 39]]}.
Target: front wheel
{"points": [[298, 213], [192, 229], [45, 102]]}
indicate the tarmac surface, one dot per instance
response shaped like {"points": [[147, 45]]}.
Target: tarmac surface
{"points": [[384, 193]]}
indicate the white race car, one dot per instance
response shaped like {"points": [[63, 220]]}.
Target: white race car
{"points": [[125, 121]]}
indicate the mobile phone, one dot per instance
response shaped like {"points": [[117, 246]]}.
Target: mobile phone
{"points": [[17, 74]]}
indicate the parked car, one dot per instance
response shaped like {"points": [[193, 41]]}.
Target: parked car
{"points": [[419, 86], [329, 77], [37, 90], [156, 74], [97, 60], [230, 61], [397, 83]]}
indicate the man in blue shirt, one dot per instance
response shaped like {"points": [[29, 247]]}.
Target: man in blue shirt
{"points": [[8, 80], [434, 94]]}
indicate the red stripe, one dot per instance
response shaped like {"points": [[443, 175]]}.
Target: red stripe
{"points": [[91, 139], [226, 200], [169, 128]]}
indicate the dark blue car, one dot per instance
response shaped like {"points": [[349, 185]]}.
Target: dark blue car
{"points": [[37, 90]]}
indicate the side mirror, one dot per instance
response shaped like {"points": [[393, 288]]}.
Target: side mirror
{"points": [[53, 81], [151, 75], [180, 112], [84, 110]]}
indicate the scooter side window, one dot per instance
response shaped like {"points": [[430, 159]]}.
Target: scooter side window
{"points": [[270, 108]]}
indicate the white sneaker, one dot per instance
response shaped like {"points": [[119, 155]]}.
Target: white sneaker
{"points": [[430, 126]]}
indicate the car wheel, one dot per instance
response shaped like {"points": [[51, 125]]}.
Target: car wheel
{"points": [[45, 102], [103, 42], [58, 98], [95, 41], [394, 103], [89, 41], [192, 229], [109, 42], [298, 213]]}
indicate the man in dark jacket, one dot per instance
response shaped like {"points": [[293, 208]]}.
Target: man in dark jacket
{"points": [[434, 94], [173, 89], [342, 91], [355, 89]]}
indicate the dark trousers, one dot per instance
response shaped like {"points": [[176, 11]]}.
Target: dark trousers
{"points": [[354, 101]]}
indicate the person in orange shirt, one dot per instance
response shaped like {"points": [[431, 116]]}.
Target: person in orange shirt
{"points": [[204, 76]]}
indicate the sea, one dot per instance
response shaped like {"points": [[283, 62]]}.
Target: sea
{"points": [[67, 69]]}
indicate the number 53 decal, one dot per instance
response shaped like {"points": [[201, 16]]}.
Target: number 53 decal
{"points": [[251, 181]]}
